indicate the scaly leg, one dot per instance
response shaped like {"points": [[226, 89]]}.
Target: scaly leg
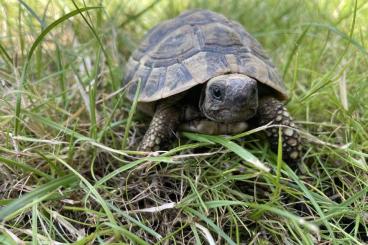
{"points": [[161, 129], [272, 110]]}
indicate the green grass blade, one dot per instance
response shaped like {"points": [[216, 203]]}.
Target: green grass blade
{"points": [[34, 224], [341, 34], [5, 54], [108, 59], [37, 195], [33, 13], [240, 151], [25, 167], [136, 222], [211, 224], [135, 17], [311, 199], [35, 44], [294, 50], [95, 193], [131, 114], [49, 28], [131, 236]]}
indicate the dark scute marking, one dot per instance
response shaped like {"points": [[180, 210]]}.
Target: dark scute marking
{"points": [[186, 74], [153, 36], [131, 68], [142, 73], [251, 43], [158, 62], [216, 62], [257, 51], [157, 34], [198, 34], [154, 81], [244, 54], [178, 76], [256, 68], [197, 17], [246, 37], [162, 79], [166, 28], [220, 34], [131, 90], [236, 50], [175, 44], [248, 66], [275, 77], [161, 62]]}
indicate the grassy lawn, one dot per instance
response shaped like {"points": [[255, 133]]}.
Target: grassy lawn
{"points": [[69, 172]]}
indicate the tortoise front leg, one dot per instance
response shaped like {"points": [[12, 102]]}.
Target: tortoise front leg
{"points": [[272, 110], [161, 129]]}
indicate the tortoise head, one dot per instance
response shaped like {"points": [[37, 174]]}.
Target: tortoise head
{"points": [[229, 98]]}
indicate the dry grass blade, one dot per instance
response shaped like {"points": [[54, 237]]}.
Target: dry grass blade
{"points": [[206, 233], [155, 209]]}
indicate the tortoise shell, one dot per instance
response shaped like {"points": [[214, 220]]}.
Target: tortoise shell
{"points": [[192, 48]]}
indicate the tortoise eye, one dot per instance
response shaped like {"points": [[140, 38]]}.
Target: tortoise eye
{"points": [[216, 92]]}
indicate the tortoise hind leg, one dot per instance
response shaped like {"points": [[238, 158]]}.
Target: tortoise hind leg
{"points": [[272, 110], [161, 129]]}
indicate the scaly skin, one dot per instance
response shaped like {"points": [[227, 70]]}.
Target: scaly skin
{"points": [[162, 128], [272, 110]]}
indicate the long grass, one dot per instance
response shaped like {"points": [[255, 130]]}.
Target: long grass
{"points": [[69, 172]]}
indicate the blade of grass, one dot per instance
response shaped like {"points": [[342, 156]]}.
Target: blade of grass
{"points": [[341, 34], [277, 191], [195, 232], [61, 75], [92, 98], [5, 54], [129, 235], [131, 18], [25, 167], [130, 115], [34, 224], [132, 165], [310, 198], [194, 189], [211, 224], [240, 151], [95, 193], [35, 44], [107, 56], [33, 13], [37, 195], [140, 224], [294, 50], [224, 203]]}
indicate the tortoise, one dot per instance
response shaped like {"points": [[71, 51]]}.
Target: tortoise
{"points": [[204, 73]]}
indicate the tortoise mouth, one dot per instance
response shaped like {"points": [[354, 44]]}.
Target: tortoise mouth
{"points": [[225, 115]]}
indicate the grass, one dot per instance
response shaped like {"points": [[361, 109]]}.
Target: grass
{"points": [[69, 172]]}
